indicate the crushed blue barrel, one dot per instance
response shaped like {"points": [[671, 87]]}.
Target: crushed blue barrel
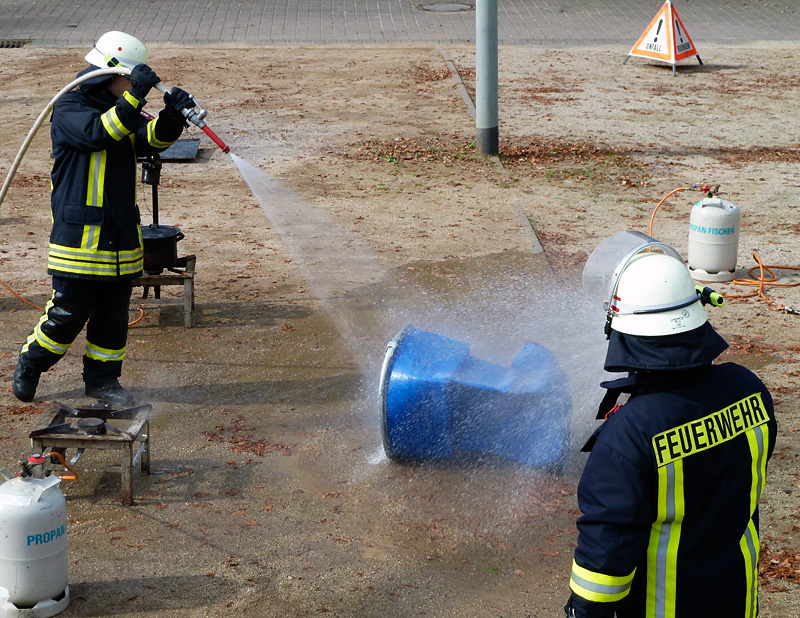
{"points": [[439, 402]]}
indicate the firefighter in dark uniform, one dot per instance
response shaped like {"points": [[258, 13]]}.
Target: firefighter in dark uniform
{"points": [[95, 243], [669, 495]]}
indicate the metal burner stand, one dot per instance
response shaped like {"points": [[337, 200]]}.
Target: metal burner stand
{"points": [[182, 274], [58, 433]]}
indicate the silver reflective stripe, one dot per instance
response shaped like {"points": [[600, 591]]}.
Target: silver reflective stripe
{"points": [[91, 235], [622, 308], [663, 544], [95, 256], [97, 353], [111, 124], [752, 543], [751, 548], [600, 588], [759, 434], [94, 187]]}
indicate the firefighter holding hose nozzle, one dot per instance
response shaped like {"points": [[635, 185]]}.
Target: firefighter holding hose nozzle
{"points": [[669, 495], [95, 248]]}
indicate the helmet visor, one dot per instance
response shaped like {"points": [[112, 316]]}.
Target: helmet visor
{"points": [[607, 262]]}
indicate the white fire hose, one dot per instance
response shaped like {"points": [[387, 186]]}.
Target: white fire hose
{"points": [[194, 115]]}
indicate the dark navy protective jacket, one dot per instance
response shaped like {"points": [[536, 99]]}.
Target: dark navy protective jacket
{"points": [[670, 493], [96, 140]]}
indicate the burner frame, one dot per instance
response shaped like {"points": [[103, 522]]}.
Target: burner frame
{"points": [[181, 274], [135, 432]]}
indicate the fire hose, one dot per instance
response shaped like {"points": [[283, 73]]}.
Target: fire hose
{"points": [[196, 115]]}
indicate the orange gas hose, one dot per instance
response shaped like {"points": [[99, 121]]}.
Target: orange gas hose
{"points": [[137, 320], [761, 282], [655, 210], [65, 477], [25, 300]]}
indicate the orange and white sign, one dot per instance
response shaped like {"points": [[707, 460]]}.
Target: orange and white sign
{"points": [[665, 39]]}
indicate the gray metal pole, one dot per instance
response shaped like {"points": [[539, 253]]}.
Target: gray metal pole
{"points": [[487, 138]]}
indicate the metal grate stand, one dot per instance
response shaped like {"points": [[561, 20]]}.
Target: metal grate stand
{"points": [[182, 274], [123, 429]]}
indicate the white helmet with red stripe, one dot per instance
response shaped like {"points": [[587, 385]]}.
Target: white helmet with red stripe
{"points": [[646, 288], [654, 296], [116, 48]]}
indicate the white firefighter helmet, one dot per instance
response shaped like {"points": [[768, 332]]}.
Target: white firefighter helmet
{"points": [[655, 296], [646, 288], [127, 50]]}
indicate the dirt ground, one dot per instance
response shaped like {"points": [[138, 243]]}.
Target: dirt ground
{"points": [[270, 494]]}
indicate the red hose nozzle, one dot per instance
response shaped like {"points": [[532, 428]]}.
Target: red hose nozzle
{"points": [[215, 138]]}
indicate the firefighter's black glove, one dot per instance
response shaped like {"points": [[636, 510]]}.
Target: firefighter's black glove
{"points": [[579, 608], [143, 78], [177, 101]]}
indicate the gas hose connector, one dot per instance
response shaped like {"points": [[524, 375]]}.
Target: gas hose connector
{"points": [[709, 296]]}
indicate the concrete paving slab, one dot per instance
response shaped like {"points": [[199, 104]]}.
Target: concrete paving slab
{"points": [[379, 22]]}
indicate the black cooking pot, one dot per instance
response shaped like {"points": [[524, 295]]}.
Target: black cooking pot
{"points": [[160, 246]]}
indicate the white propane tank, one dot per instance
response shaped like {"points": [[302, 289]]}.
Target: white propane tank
{"points": [[713, 240], [33, 548]]}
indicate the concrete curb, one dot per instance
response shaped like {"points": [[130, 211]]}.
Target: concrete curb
{"points": [[527, 226]]}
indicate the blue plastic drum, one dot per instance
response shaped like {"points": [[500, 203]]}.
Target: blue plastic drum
{"points": [[438, 402]]}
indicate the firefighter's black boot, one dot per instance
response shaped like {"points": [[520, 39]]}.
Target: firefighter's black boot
{"points": [[25, 381], [111, 392]]}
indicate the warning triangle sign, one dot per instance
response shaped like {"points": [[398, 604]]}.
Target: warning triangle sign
{"points": [[665, 39]]}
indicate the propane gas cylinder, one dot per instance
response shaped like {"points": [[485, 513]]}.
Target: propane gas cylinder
{"points": [[33, 547], [713, 240]]}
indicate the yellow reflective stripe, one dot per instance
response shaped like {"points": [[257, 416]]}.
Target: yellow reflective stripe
{"points": [[599, 587], [757, 440], [79, 268], [91, 237], [131, 254], [43, 340], [130, 98], [40, 337], [131, 268], [97, 178], [114, 125], [60, 251], [151, 135], [749, 544], [665, 535], [96, 267], [709, 431], [48, 343], [104, 354]]}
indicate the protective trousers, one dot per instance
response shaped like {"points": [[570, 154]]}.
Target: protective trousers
{"points": [[102, 307]]}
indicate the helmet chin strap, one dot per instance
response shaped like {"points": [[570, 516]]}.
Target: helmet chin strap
{"points": [[110, 60]]}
